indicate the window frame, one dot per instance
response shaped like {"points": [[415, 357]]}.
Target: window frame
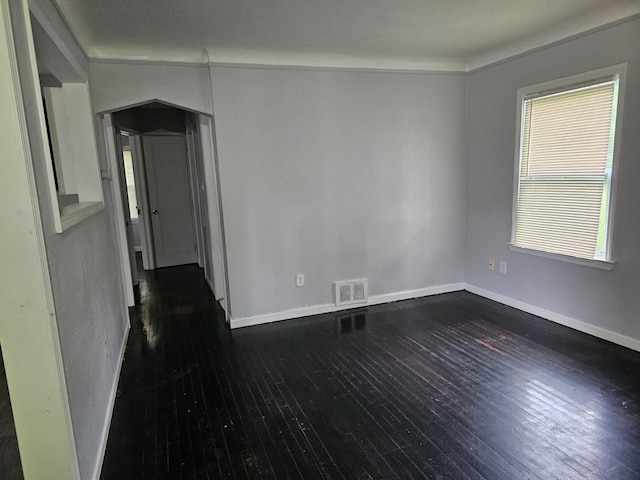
{"points": [[554, 87], [69, 122], [43, 62]]}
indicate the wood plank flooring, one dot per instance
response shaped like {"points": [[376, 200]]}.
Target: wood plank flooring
{"points": [[10, 467], [446, 387]]}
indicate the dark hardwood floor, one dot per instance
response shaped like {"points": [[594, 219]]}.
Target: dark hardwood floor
{"points": [[445, 387], [10, 467]]}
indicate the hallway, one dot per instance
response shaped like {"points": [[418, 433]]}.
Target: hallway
{"points": [[451, 386]]}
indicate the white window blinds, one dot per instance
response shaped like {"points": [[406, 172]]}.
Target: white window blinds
{"points": [[566, 155]]}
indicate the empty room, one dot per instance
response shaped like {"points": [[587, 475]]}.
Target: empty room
{"points": [[345, 240]]}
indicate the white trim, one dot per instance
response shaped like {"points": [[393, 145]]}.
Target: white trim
{"points": [[420, 292], [617, 71], [122, 243], [144, 220], [285, 315], [330, 307], [211, 287], [549, 315], [70, 129], [363, 64], [601, 264], [196, 194], [617, 149], [570, 322], [444, 68], [213, 195], [141, 61], [570, 82], [112, 402], [77, 212]]}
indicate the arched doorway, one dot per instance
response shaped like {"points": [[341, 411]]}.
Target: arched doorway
{"points": [[177, 202]]}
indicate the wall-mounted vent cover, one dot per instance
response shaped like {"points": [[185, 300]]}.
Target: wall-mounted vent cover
{"points": [[351, 292]]}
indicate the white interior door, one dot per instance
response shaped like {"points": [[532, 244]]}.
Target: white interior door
{"points": [[214, 209], [169, 199], [144, 213], [120, 210]]}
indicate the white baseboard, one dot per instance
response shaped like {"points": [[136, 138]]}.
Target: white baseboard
{"points": [[111, 404], [421, 292], [210, 283], [330, 307], [570, 322]]}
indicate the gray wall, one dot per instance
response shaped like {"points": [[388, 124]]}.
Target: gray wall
{"points": [[92, 324], [338, 175], [605, 299], [118, 85]]}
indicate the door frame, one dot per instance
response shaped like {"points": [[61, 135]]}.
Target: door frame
{"points": [[114, 157], [144, 214], [198, 193], [140, 179], [219, 280], [125, 203], [207, 160]]}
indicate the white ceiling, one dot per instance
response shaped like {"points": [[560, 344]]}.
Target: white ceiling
{"points": [[399, 34]]}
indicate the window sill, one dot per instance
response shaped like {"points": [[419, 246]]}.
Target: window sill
{"points": [[71, 215], [601, 264]]}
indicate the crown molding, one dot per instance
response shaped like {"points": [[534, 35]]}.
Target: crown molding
{"points": [[298, 61], [134, 61], [544, 41], [328, 68]]}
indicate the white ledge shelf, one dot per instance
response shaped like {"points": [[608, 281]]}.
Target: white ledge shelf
{"points": [[73, 214], [601, 264]]}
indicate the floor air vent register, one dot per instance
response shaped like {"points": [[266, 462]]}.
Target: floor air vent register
{"points": [[351, 292]]}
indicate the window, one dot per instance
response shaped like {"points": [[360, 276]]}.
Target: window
{"points": [[565, 165], [131, 183]]}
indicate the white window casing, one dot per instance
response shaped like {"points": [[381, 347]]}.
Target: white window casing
{"points": [[566, 148]]}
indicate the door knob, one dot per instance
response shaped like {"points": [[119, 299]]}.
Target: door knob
{"points": [[154, 211]]}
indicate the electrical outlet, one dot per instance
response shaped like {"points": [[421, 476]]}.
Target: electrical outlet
{"points": [[492, 265], [503, 267], [300, 280]]}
